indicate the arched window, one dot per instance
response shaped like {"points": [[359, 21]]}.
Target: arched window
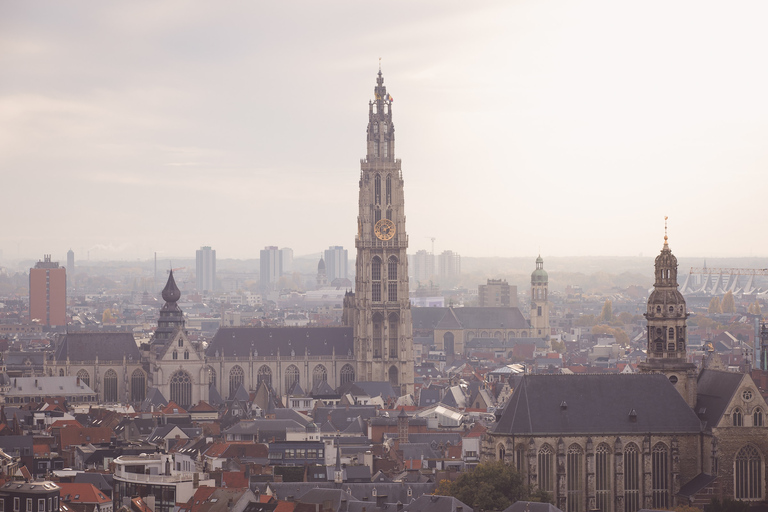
{"points": [[291, 376], [392, 268], [347, 374], [631, 478], [186, 354], [376, 278], [501, 452], [378, 327], [393, 376], [748, 474], [603, 475], [389, 189], [138, 385], [181, 342], [377, 189], [671, 334], [738, 418], [236, 378], [265, 375], [574, 474], [181, 388], [61, 372], [175, 355], [660, 476], [110, 386], [757, 418], [393, 325], [546, 467], [211, 376], [448, 343], [319, 374], [84, 377]]}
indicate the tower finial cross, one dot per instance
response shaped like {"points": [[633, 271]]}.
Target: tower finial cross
{"points": [[665, 229]]}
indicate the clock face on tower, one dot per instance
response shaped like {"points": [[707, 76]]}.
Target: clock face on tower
{"points": [[384, 229]]}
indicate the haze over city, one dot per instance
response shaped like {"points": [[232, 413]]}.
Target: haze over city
{"points": [[569, 129]]}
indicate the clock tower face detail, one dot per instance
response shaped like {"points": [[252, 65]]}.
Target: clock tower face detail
{"points": [[380, 311]]}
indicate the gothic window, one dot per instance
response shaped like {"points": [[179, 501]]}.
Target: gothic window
{"points": [[376, 148], [319, 374], [376, 215], [392, 291], [186, 354], [376, 278], [545, 462], [757, 418], [389, 189], [574, 460], [236, 377], [385, 149], [389, 213], [291, 376], [264, 375], [181, 388], [378, 327], [110, 386], [211, 376], [631, 478], [738, 418], [175, 355], [393, 324], [520, 458], [747, 474], [538, 311], [393, 376], [376, 292], [347, 374], [501, 451], [603, 475], [138, 385], [84, 377], [375, 127], [660, 476], [181, 342], [392, 268], [377, 189]]}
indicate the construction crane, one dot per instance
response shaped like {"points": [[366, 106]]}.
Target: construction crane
{"points": [[433, 243]]}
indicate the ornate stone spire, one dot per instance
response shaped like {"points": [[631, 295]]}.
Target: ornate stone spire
{"points": [[171, 316]]}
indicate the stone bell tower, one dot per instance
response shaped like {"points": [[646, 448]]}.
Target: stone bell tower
{"points": [[380, 311], [667, 336]]}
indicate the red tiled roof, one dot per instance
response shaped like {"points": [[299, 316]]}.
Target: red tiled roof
{"points": [[65, 423], [203, 406], [82, 493], [41, 450], [232, 479], [74, 436], [173, 408]]}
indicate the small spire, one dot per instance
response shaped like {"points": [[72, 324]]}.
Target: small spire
{"points": [[665, 229]]}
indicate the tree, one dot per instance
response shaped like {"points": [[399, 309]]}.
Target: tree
{"points": [[754, 309], [622, 338], [558, 346], [728, 305], [492, 485], [585, 321], [607, 314], [714, 306]]}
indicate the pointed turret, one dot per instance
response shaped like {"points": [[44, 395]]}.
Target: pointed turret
{"points": [[171, 316]]}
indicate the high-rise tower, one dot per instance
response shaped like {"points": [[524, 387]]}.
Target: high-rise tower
{"points": [[48, 293], [667, 336], [539, 302], [381, 310], [205, 269]]}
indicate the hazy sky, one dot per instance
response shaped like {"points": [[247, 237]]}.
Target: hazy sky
{"points": [[570, 128]]}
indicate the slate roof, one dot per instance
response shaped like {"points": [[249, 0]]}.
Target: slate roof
{"points": [[214, 397], [426, 318], [715, 390], [696, 485], [241, 394], [429, 396], [107, 346], [154, 398], [49, 386], [531, 506], [334, 497], [253, 426], [342, 417], [437, 504], [395, 491], [370, 388], [319, 341], [587, 404]]}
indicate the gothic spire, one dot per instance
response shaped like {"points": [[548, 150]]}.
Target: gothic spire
{"points": [[171, 292]]}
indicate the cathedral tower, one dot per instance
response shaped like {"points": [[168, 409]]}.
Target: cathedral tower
{"points": [[667, 336], [381, 308], [539, 304]]}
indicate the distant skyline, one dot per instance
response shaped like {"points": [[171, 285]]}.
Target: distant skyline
{"points": [[524, 127]]}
